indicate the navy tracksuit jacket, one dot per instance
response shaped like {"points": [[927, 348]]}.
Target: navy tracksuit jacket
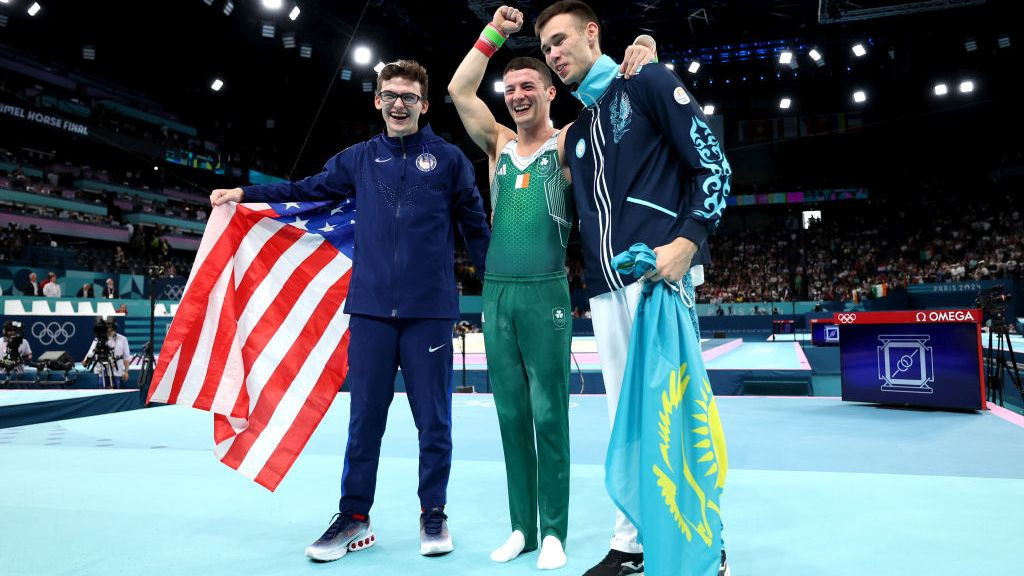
{"points": [[411, 194]]}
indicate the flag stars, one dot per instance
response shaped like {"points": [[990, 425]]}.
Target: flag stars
{"points": [[328, 227], [340, 208], [300, 223], [290, 205]]}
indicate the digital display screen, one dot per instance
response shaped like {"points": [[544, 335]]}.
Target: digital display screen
{"points": [[824, 333], [927, 364]]}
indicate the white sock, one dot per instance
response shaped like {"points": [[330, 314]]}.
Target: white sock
{"points": [[551, 554], [511, 548]]}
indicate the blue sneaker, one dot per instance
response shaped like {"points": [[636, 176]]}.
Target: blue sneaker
{"points": [[434, 537], [348, 532]]}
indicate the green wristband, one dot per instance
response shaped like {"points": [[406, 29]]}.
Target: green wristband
{"points": [[493, 35]]}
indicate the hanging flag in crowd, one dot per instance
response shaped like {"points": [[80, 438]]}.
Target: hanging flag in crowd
{"points": [[260, 338], [667, 460]]}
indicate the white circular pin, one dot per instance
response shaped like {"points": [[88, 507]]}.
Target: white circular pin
{"points": [[681, 96], [426, 162]]}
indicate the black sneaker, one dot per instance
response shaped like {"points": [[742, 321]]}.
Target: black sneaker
{"points": [[618, 563], [434, 537], [723, 568], [348, 532]]}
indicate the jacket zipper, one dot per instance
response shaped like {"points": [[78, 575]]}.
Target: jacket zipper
{"points": [[398, 213]]}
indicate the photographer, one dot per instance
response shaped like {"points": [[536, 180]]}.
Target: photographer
{"points": [[14, 349], [108, 355]]}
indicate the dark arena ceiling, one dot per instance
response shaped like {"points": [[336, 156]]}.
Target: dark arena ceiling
{"points": [[171, 51]]}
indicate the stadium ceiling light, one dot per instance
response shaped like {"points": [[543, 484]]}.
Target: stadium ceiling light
{"points": [[217, 85], [785, 103], [670, 66], [306, 50], [268, 30], [941, 89], [5, 1], [294, 13], [499, 86], [229, 7], [88, 52], [367, 86], [273, 4], [860, 96], [817, 56], [694, 66], [858, 50], [288, 40], [966, 87], [1003, 41], [971, 45], [34, 9], [709, 109], [378, 67], [362, 55], [785, 57]]}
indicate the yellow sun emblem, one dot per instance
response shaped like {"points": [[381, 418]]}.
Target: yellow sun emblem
{"points": [[707, 448]]}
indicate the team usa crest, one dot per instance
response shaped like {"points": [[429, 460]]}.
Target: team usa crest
{"points": [[426, 162]]}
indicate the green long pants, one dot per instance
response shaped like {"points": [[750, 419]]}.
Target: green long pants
{"points": [[527, 333]]}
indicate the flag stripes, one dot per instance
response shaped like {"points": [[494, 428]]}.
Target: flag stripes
{"points": [[260, 338]]}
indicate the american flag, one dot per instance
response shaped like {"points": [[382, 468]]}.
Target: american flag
{"points": [[260, 338]]}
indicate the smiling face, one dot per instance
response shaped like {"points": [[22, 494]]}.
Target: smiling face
{"points": [[570, 46], [526, 97], [400, 118]]}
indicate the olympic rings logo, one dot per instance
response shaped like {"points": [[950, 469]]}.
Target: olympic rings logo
{"points": [[846, 318], [173, 291], [53, 332]]}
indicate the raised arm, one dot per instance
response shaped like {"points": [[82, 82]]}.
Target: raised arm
{"points": [[476, 116]]}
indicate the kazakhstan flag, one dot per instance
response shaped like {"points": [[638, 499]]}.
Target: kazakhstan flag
{"points": [[667, 460]]}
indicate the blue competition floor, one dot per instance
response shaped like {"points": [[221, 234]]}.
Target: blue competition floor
{"points": [[762, 356], [817, 487]]}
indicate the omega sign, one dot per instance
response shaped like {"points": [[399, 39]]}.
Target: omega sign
{"points": [[945, 316]]}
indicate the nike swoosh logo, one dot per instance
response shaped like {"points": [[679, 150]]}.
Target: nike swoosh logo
{"points": [[433, 349], [378, 160]]}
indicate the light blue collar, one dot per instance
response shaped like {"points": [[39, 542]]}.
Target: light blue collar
{"points": [[597, 81]]}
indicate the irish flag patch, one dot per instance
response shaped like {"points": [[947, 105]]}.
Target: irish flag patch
{"points": [[523, 180]]}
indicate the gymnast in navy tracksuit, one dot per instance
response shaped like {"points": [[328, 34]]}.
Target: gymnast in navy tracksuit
{"points": [[412, 189]]}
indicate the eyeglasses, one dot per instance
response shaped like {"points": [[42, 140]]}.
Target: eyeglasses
{"points": [[408, 98]]}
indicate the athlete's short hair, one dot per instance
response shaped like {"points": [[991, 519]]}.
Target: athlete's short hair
{"points": [[580, 10], [411, 70], [528, 63]]}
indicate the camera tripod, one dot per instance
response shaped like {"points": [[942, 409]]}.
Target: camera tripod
{"points": [[148, 362], [145, 360], [105, 371], [1000, 362]]}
